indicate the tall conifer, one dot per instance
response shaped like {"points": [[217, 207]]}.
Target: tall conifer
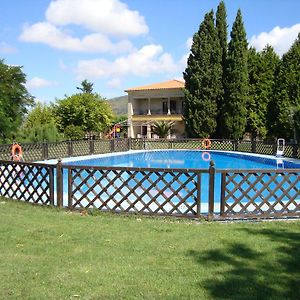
{"points": [[261, 69], [236, 82], [203, 81], [221, 31], [285, 106]]}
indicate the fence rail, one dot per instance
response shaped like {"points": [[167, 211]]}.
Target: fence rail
{"points": [[180, 192]]}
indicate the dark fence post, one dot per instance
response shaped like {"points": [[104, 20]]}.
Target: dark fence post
{"points": [[70, 148], [211, 193], [295, 151], [129, 143], [59, 184], [92, 147], [45, 150], [274, 148], [112, 145], [253, 146], [235, 145]]}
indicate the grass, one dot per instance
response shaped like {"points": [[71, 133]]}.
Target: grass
{"points": [[46, 253]]}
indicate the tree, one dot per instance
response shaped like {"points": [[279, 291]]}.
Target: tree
{"points": [[286, 101], [163, 128], [86, 87], [39, 125], [236, 82], [203, 87], [221, 31], [85, 112], [14, 100], [261, 70]]}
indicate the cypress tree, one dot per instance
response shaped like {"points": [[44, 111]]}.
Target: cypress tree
{"points": [[221, 31], [285, 106], [261, 70], [236, 82], [203, 81]]}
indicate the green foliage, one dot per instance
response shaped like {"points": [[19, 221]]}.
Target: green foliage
{"points": [[14, 100], [236, 82], [85, 112], [203, 86], [86, 87], [39, 126], [221, 31], [74, 132], [261, 69], [162, 128], [286, 100]]}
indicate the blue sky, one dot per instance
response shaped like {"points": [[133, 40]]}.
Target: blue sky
{"points": [[118, 44]]}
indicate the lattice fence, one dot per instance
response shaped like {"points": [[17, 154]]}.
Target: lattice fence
{"points": [[119, 145], [5, 152], [264, 148], [80, 148], [147, 191], [58, 150], [263, 193], [28, 182], [101, 146]]}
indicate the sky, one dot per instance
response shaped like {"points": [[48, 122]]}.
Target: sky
{"points": [[119, 44]]}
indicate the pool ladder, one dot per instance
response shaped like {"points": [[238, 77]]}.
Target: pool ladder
{"points": [[279, 153]]}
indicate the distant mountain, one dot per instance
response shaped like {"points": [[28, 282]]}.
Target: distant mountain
{"points": [[119, 105]]}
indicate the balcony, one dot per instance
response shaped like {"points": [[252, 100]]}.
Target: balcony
{"points": [[157, 117]]}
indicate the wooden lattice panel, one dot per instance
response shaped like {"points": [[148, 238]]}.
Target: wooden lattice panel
{"points": [[244, 146], [166, 192], [33, 152], [80, 148], [27, 182], [5, 152], [101, 146], [137, 144], [185, 144], [222, 145], [260, 193], [264, 148], [157, 144], [58, 150], [120, 145]]}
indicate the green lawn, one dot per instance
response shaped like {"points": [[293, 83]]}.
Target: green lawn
{"points": [[50, 254]]}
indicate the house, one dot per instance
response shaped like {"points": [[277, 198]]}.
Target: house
{"points": [[161, 101]]}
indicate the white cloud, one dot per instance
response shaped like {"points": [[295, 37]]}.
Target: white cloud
{"points": [[189, 43], [114, 83], [102, 18], [37, 82], [6, 48], [55, 37], [280, 38], [150, 59], [112, 17]]}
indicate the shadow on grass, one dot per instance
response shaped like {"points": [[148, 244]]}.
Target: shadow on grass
{"points": [[237, 271]]}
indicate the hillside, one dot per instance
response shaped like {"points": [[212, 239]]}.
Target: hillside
{"points": [[119, 105]]}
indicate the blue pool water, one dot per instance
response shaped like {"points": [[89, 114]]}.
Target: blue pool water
{"points": [[192, 159], [137, 189]]}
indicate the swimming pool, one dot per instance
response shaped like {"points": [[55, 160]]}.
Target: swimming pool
{"points": [[171, 180]]}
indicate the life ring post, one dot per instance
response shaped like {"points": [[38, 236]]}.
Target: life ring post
{"points": [[206, 143], [16, 152]]}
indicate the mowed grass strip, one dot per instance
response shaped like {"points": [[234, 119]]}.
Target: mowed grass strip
{"points": [[47, 253]]}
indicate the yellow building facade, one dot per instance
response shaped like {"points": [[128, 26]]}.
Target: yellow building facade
{"points": [[161, 101]]}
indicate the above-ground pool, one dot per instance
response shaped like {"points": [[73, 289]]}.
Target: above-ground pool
{"points": [[154, 184], [184, 159]]}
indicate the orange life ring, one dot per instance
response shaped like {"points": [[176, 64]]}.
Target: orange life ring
{"points": [[16, 152], [206, 156], [206, 143]]}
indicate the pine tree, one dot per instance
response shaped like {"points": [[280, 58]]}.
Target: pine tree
{"points": [[234, 112], [203, 81], [261, 70], [285, 105], [221, 31]]}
